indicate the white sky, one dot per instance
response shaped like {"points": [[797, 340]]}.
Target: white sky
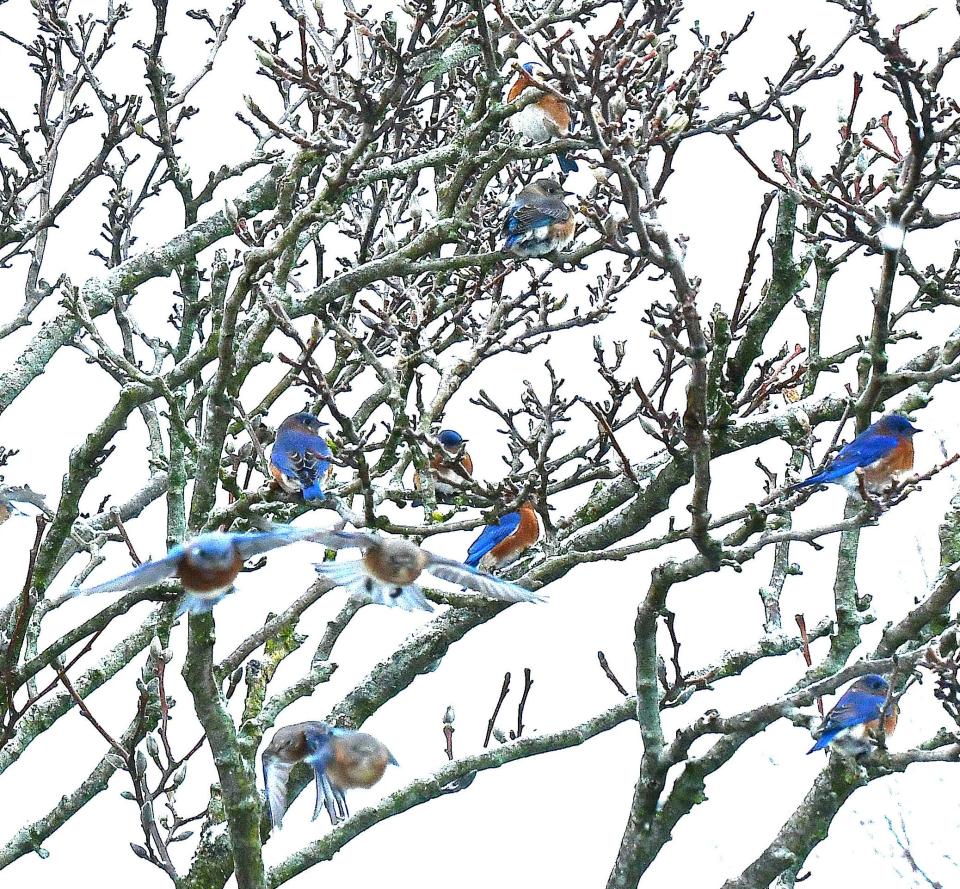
{"points": [[556, 819]]}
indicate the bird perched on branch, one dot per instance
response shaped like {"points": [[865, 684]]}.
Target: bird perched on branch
{"points": [[450, 464], [207, 565], [538, 221], [545, 119], [341, 759], [856, 717], [879, 454], [389, 568], [300, 458], [505, 540]]}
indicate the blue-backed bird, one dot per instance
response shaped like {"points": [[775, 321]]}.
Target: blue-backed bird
{"points": [[341, 759], [207, 565], [505, 540], [880, 453], [855, 718], [300, 458], [538, 221], [387, 572], [545, 119], [450, 464]]}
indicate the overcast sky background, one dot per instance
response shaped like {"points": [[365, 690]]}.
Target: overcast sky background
{"points": [[554, 820]]}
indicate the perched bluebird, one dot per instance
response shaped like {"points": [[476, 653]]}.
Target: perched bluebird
{"points": [[340, 759], [502, 542], [547, 118], [387, 572], [299, 459], [450, 464], [879, 453], [856, 716], [538, 221], [207, 565]]}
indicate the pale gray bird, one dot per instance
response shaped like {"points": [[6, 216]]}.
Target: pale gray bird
{"points": [[388, 570]]}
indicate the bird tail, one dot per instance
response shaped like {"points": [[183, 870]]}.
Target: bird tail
{"points": [[191, 604], [822, 742], [566, 165], [313, 492]]}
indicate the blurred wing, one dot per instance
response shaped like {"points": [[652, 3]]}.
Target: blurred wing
{"points": [[275, 776], [145, 575], [491, 536], [253, 543], [342, 539], [457, 572], [325, 795]]}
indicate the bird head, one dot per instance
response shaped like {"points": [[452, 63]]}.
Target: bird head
{"points": [[451, 441], [872, 684], [306, 420], [212, 552], [551, 188], [900, 425]]}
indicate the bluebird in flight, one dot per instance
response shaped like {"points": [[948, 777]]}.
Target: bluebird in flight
{"points": [[300, 457], [538, 221], [387, 572], [450, 464], [207, 565], [880, 453], [547, 118], [502, 542], [340, 759], [856, 716]]}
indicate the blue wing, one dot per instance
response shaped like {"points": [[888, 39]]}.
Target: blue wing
{"points": [[861, 452], [253, 543], [147, 574], [491, 536], [493, 587], [853, 708], [292, 444]]}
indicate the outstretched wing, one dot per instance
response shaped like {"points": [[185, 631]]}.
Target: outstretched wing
{"points": [[492, 587], [276, 773], [343, 539], [491, 536], [147, 574], [253, 543]]}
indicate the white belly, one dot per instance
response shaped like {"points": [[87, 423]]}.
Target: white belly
{"points": [[533, 124]]}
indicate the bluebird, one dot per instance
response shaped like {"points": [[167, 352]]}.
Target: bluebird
{"points": [[856, 716], [450, 464], [340, 759], [207, 565], [502, 542], [387, 572], [880, 453], [300, 458], [547, 118], [538, 221]]}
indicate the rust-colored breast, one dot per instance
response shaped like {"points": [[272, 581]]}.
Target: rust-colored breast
{"points": [[899, 460], [197, 580], [466, 461], [557, 110], [520, 84], [527, 533], [357, 762]]}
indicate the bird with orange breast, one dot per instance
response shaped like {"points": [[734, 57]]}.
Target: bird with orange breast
{"points": [[547, 118], [341, 759], [505, 540], [450, 464]]}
